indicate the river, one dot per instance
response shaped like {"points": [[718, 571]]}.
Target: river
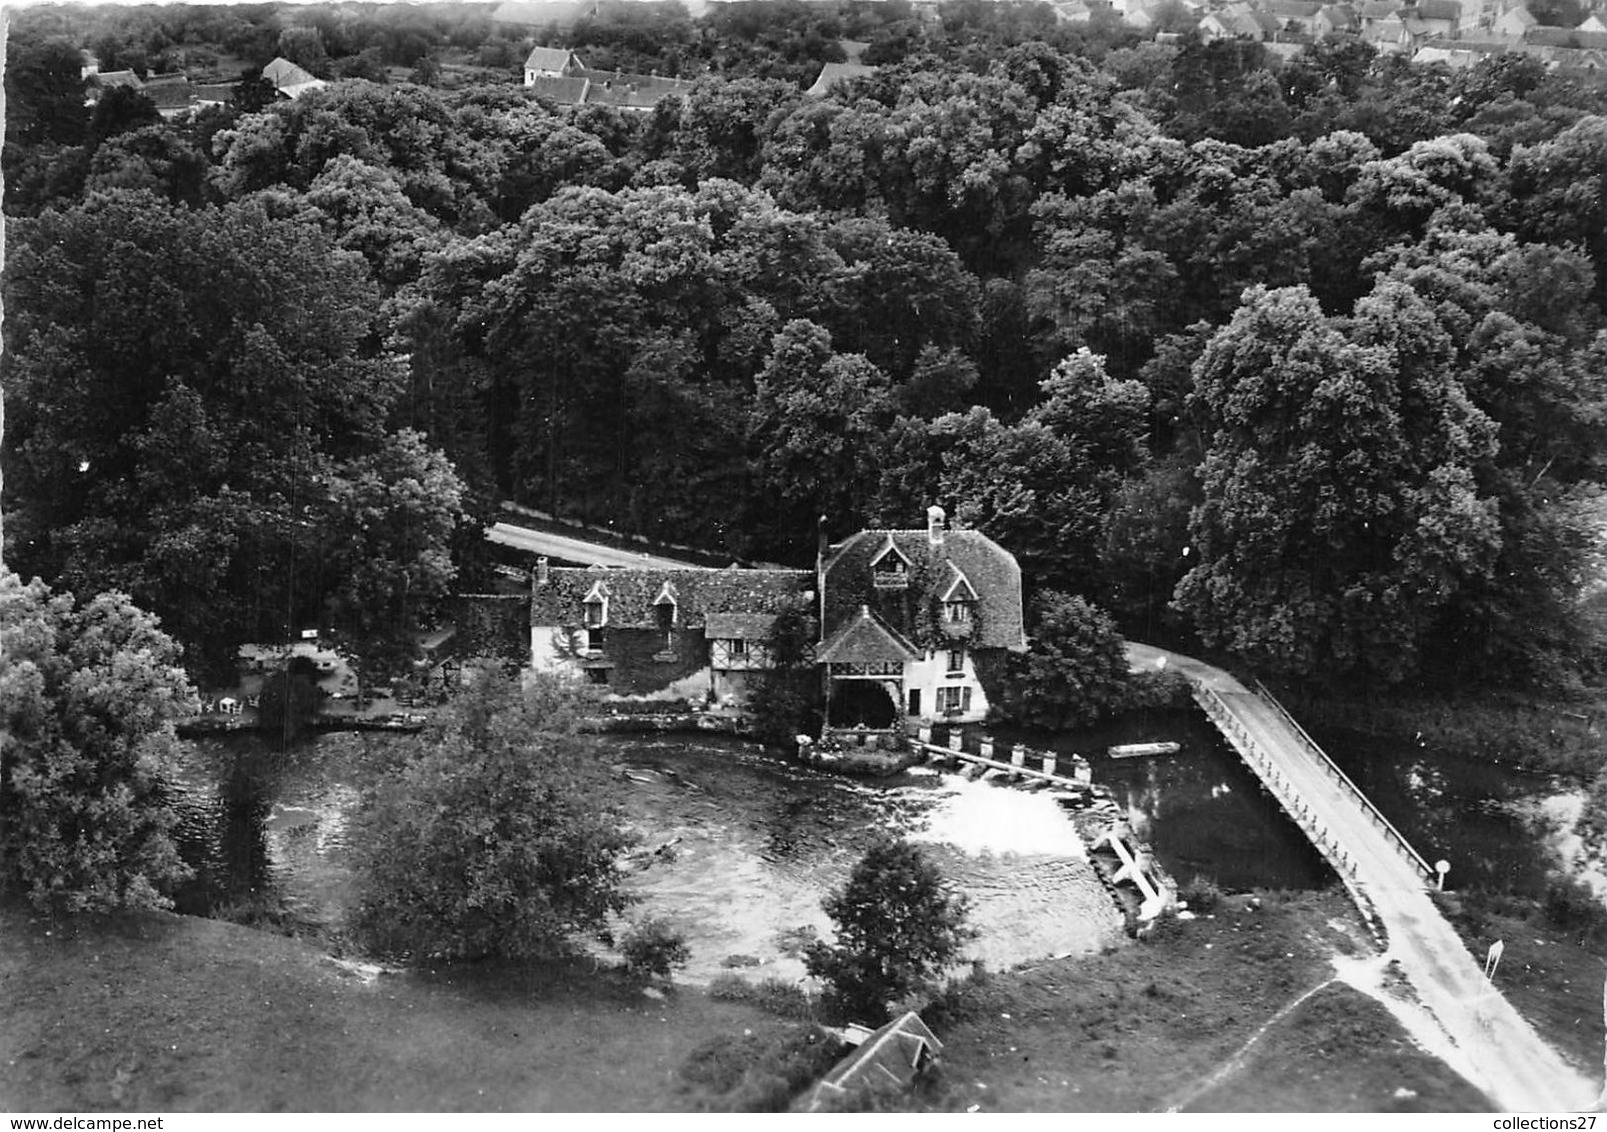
{"points": [[738, 845]]}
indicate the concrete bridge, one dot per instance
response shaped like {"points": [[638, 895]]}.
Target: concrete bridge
{"points": [[1389, 881]]}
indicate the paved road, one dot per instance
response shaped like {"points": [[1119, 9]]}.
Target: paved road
{"points": [[1515, 1068], [567, 549]]}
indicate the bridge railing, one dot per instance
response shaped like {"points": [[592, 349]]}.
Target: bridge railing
{"points": [[1274, 780], [1402, 846]]}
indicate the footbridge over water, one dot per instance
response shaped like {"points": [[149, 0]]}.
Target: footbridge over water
{"points": [[1390, 882]]}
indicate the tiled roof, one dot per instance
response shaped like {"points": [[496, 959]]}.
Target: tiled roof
{"points": [[1379, 9], [169, 92], [619, 88], [833, 73], [117, 78], [283, 73], [1439, 10], [865, 639], [991, 570], [495, 626], [698, 594], [549, 59], [569, 91], [1292, 9], [215, 92], [738, 626], [1566, 37]]}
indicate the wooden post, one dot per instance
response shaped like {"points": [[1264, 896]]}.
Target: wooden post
{"points": [[924, 733], [956, 739], [986, 749], [1049, 762], [1083, 772], [1018, 755]]}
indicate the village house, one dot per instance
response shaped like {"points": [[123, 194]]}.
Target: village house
{"points": [[558, 75], [289, 80], [552, 63], [902, 623]]}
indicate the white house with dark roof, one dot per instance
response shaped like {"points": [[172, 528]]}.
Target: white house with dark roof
{"points": [[910, 624], [916, 623], [550, 63]]}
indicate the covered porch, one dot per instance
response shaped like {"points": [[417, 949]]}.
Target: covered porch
{"points": [[863, 667]]}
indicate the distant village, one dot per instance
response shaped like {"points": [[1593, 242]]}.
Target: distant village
{"points": [[1457, 33]]}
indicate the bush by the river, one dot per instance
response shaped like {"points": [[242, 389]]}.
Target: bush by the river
{"points": [[497, 838]]}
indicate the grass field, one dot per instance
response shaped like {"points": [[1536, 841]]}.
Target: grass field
{"points": [[1194, 1019], [171, 1013], [1236, 1011]]}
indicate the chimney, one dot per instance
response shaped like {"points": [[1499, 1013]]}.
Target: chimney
{"points": [[542, 577], [934, 525]]}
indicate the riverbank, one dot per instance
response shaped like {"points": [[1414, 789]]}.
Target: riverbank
{"points": [[1524, 732], [173, 1013]]}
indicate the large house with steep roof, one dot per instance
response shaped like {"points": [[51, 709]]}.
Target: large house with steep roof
{"points": [[911, 624]]}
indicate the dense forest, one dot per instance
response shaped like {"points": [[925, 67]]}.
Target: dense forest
{"points": [[1305, 358]]}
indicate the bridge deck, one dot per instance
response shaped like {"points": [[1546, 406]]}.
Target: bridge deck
{"points": [[1504, 1055]]}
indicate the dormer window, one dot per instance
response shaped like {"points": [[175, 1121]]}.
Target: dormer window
{"points": [[958, 598], [890, 570], [595, 606], [665, 610]]}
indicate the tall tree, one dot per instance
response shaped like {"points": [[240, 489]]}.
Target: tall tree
{"points": [[1341, 511], [89, 694], [183, 383]]}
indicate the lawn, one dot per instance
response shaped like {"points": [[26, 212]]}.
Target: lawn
{"points": [[172, 1013], [1233, 1011], [1195, 1019]]}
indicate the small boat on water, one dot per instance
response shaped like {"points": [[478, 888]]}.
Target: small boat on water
{"points": [[1141, 750]]}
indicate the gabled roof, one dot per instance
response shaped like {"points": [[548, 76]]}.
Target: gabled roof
{"points": [[1379, 9], [607, 88], [551, 59], [1594, 23], [991, 570], [1292, 9], [833, 73], [1338, 17], [281, 72], [699, 594], [891, 1056], [116, 78], [1520, 17], [865, 639]]}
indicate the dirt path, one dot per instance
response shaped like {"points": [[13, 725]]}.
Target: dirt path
{"points": [[1508, 1060]]}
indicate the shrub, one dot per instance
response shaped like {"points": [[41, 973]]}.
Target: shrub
{"points": [[1201, 894], [1571, 906], [783, 999], [758, 1072], [497, 839], [655, 947]]}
